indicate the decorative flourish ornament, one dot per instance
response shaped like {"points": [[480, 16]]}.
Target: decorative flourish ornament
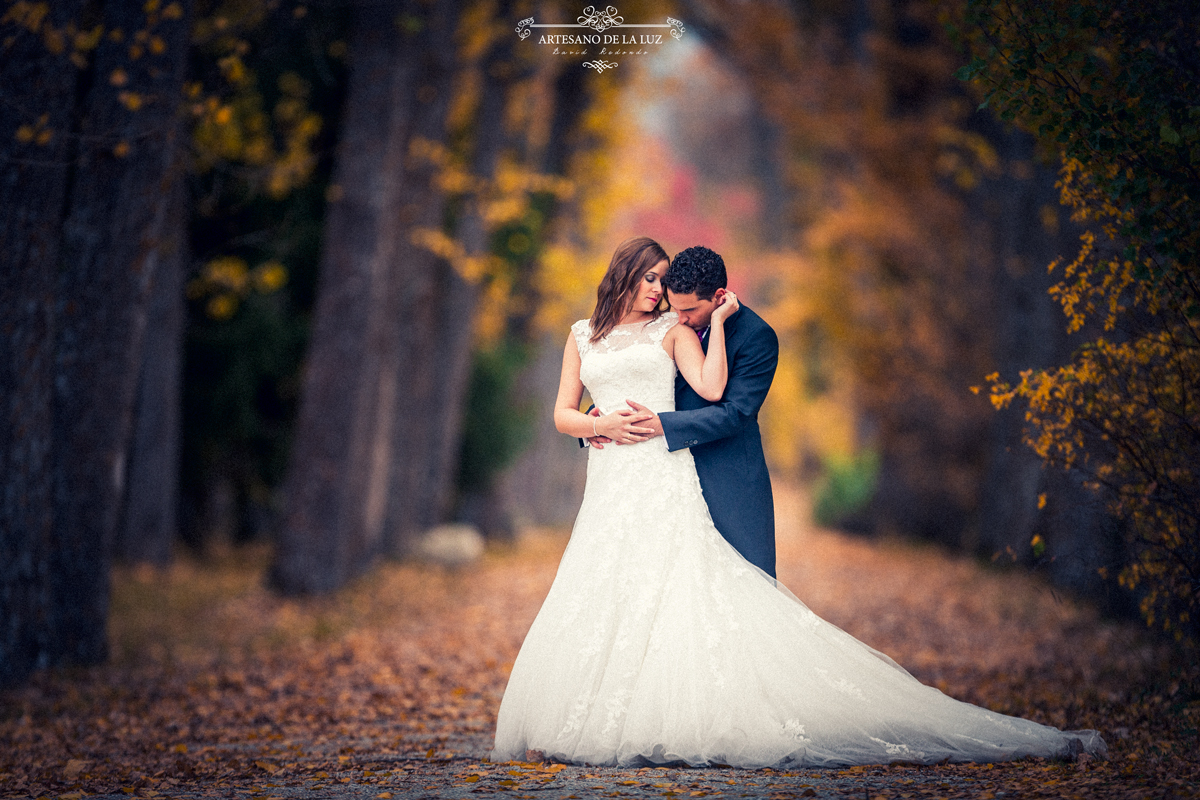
{"points": [[599, 65], [600, 20], [677, 28], [523, 28]]}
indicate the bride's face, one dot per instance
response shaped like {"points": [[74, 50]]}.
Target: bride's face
{"points": [[649, 289]]}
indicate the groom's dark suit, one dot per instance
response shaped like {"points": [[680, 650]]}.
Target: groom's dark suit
{"points": [[725, 440]]}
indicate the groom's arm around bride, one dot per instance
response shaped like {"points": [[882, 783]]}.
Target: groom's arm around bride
{"points": [[726, 443], [724, 435]]}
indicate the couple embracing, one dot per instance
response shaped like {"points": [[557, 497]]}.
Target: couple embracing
{"points": [[720, 429], [664, 638]]}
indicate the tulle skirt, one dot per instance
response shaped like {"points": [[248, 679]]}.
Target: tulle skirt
{"points": [[658, 643]]}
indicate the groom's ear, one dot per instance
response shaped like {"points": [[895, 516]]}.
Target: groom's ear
{"points": [[718, 294]]}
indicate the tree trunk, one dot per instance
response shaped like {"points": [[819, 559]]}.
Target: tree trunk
{"points": [[448, 360], [147, 528], [116, 234], [33, 183], [82, 231], [1027, 332], [1030, 333], [372, 301], [544, 484]]}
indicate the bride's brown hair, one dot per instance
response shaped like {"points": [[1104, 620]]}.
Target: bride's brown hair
{"points": [[630, 263]]}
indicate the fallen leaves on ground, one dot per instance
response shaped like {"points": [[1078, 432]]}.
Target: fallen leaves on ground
{"points": [[390, 688]]}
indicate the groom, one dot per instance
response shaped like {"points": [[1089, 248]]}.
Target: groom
{"points": [[724, 436]]}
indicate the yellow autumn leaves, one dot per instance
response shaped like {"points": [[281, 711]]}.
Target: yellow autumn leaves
{"points": [[77, 43], [1116, 412], [34, 17], [238, 129], [39, 133], [229, 280]]}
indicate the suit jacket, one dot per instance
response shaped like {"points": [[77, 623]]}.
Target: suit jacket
{"points": [[725, 439]]}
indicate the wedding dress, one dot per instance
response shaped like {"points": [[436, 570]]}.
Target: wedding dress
{"points": [[659, 643]]}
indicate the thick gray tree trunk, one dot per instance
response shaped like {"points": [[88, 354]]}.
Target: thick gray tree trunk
{"points": [[117, 232], [410, 496], [1029, 332], [33, 184], [372, 305], [449, 358], [147, 529], [82, 231]]}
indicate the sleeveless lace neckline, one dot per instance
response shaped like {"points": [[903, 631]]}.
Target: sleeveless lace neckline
{"points": [[627, 334], [628, 362]]}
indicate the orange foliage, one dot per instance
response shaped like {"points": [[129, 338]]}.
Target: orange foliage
{"points": [[1111, 88]]}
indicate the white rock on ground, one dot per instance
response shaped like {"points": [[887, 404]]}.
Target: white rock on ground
{"points": [[451, 545]]}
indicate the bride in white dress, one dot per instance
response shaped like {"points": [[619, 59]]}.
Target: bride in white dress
{"points": [[658, 643]]}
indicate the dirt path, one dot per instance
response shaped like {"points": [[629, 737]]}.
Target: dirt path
{"points": [[390, 689]]}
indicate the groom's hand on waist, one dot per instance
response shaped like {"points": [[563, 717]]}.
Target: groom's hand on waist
{"points": [[632, 425], [652, 422]]}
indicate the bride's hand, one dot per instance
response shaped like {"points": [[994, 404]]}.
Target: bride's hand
{"points": [[597, 441], [622, 426], [729, 304]]}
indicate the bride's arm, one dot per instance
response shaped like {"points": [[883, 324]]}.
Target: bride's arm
{"points": [[706, 374], [620, 426]]}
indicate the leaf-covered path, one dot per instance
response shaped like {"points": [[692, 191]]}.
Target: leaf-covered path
{"points": [[390, 689]]}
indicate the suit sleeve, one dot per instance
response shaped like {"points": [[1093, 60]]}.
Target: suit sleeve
{"points": [[750, 378]]}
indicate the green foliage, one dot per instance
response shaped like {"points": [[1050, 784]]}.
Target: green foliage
{"points": [[263, 113], [1115, 88], [846, 487], [241, 391], [496, 425]]}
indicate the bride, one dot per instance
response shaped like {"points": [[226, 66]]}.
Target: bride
{"points": [[658, 642]]}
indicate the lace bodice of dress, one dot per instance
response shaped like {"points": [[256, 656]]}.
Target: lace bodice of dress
{"points": [[628, 363]]}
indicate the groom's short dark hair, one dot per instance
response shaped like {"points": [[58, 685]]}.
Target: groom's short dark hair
{"points": [[697, 271]]}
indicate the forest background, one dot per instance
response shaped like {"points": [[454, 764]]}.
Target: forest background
{"points": [[302, 272]]}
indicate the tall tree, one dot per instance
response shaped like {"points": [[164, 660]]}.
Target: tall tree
{"points": [[428, 432], [1113, 88], [265, 91], [372, 293], [410, 258], [86, 244], [37, 93], [117, 232], [148, 528]]}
